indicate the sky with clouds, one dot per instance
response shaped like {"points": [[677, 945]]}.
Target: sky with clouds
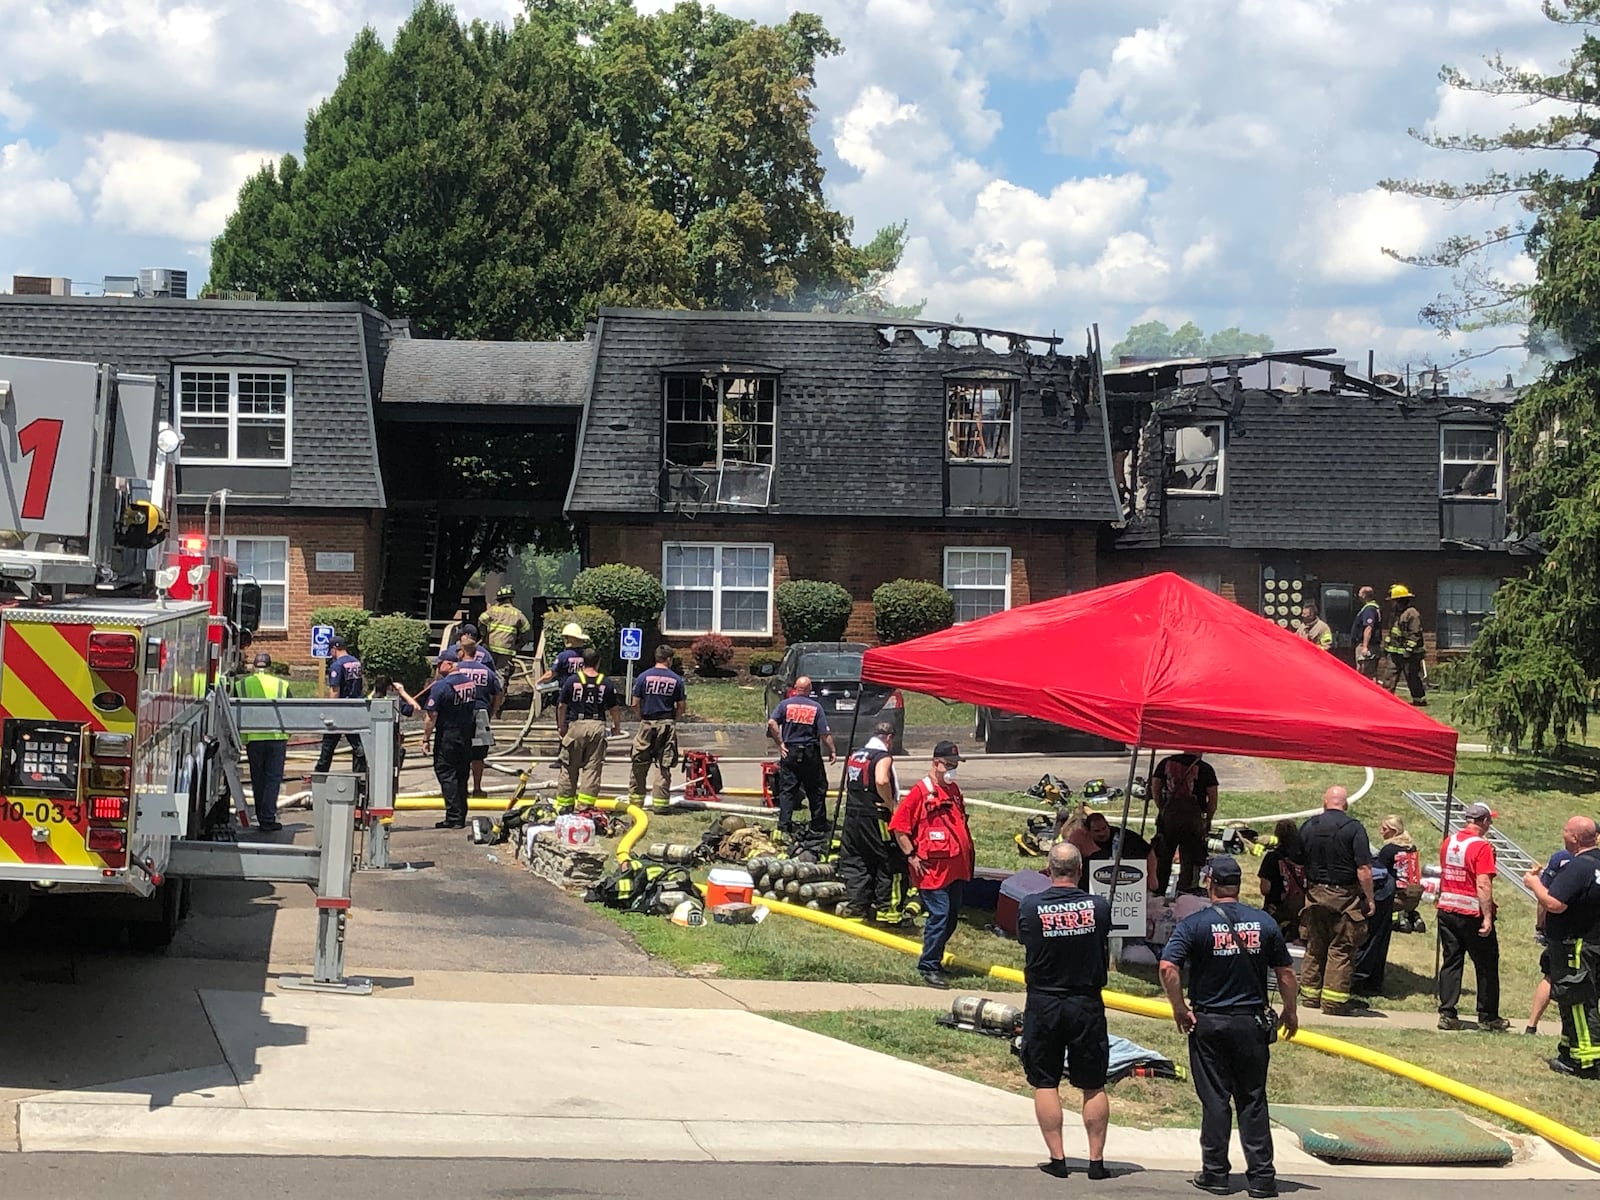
{"points": [[1058, 161]]}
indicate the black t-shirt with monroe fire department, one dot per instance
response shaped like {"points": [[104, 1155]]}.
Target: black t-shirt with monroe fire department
{"points": [[1228, 948], [1067, 935]]}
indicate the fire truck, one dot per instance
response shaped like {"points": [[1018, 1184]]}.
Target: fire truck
{"points": [[114, 638]]}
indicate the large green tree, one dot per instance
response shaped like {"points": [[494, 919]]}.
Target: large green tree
{"points": [[1152, 339], [1531, 675], [490, 182]]}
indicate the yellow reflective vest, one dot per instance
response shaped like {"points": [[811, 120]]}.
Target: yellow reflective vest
{"points": [[262, 685]]}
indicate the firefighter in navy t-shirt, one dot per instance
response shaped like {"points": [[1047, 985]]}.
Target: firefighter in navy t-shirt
{"points": [[1229, 948], [474, 660], [1066, 934], [800, 728], [450, 705], [658, 698], [344, 683]]}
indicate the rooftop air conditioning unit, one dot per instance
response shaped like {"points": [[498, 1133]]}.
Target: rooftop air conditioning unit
{"points": [[41, 285], [121, 285], [164, 282]]}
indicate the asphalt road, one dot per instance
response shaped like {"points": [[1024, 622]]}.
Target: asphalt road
{"points": [[125, 1177]]}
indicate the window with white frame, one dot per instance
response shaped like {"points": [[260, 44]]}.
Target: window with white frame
{"points": [[1464, 601], [1469, 461], [265, 560], [979, 580], [978, 415], [717, 419], [717, 587], [1194, 459], [235, 415]]}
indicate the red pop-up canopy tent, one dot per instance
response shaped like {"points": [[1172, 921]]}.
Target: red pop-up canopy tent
{"points": [[1163, 662]]}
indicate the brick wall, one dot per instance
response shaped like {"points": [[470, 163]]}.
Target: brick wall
{"points": [[357, 533], [1239, 573], [1047, 559]]}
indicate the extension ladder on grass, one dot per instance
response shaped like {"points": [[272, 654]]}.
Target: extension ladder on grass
{"points": [[1512, 862]]}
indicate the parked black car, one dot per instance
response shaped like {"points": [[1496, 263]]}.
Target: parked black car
{"points": [[834, 669], [1000, 732]]}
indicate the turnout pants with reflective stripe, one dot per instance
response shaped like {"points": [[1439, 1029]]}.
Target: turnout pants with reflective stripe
{"points": [[1334, 929], [1580, 1003], [583, 757], [656, 744], [1458, 940], [870, 864]]}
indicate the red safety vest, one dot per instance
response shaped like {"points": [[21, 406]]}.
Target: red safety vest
{"points": [[1461, 861]]}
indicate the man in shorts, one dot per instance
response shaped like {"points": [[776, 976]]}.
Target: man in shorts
{"points": [[1066, 933]]}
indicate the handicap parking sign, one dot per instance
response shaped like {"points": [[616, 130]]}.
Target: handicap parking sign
{"points": [[322, 641], [632, 644]]}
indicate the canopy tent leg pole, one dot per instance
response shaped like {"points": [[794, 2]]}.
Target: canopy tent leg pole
{"points": [[838, 799], [1449, 811], [1116, 856], [1149, 788]]}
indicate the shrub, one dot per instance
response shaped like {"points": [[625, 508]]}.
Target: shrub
{"points": [[813, 610], [907, 608], [347, 622], [596, 622], [397, 646], [631, 595], [712, 652], [763, 658]]}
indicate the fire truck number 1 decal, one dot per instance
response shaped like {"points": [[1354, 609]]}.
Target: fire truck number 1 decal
{"points": [[42, 812], [41, 440]]}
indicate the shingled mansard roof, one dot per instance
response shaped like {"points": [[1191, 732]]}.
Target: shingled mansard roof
{"points": [[509, 374], [326, 346]]}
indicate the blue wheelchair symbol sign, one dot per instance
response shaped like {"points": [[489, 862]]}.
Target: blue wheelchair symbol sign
{"points": [[632, 644], [322, 641]]}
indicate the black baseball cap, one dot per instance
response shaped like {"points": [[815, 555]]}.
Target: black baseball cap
{"points": [[1224, 869], [263, 659], [336, 642], [947, 751], [470, 631]]}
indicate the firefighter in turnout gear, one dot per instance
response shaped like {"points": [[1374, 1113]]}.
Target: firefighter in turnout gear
{"points": [[505, 628], [1403, 647], [659, 696], [265, 750], [870, 863], [1571, 903], [1339, 899], [588, 701]]}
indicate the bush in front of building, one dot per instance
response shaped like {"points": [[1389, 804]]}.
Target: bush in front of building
{"points": [[397, 646], [631, 595], [712, 652], [597, 623], [348, 622], [903, 609], [812, 610]]}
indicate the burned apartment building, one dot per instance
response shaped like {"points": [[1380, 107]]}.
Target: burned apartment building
{"points": [[1287, 477], [729, 452]]}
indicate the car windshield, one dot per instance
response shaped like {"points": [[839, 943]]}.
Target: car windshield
{"points": [[832, 666]]}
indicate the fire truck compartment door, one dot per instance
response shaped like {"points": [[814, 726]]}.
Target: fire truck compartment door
{"points": [[133, 441], [47, 446], [166, 813]]}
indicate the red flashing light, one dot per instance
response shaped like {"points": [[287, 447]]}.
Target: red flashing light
{"points": [[113, 652], [192, 543], [108, 808], [106, 840]]}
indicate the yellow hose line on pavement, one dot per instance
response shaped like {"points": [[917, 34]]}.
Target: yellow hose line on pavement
{"points": [[641, 819], [1552, 1131]]}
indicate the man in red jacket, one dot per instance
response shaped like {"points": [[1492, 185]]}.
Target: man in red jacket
{"points": [[931, 828]]}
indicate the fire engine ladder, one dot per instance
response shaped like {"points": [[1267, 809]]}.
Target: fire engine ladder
{"points": [[329, 864], [228, 750], [1512, 862]]}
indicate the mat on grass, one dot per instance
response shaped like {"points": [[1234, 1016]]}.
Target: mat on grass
{"points": [[1398, 1136]]}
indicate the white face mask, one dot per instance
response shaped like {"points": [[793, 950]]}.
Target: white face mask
{"points": [[950, 774]]}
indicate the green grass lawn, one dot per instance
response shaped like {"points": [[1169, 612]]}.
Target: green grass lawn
{"points": [[732, 702], [1509, 1066]]}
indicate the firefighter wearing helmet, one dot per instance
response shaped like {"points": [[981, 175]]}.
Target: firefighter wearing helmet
{"points": [[505, 627], [1402, 647]]}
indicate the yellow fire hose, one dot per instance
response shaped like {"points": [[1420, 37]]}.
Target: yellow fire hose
{"points": [[1552, 1131], [641, 819]]}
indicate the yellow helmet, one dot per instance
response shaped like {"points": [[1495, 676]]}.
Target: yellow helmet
{"points": [[1400, 592], [574, 630]]}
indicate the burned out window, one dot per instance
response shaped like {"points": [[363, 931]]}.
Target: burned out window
{"points": [[978, 419], [1194, 459], [718, 419], [1469, 461]]}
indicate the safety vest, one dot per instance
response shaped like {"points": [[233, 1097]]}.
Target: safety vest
{"points": [[504, 627], [1458, 886], [262, 685], [588, 701], [1358, 624], [1400, 640]]}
